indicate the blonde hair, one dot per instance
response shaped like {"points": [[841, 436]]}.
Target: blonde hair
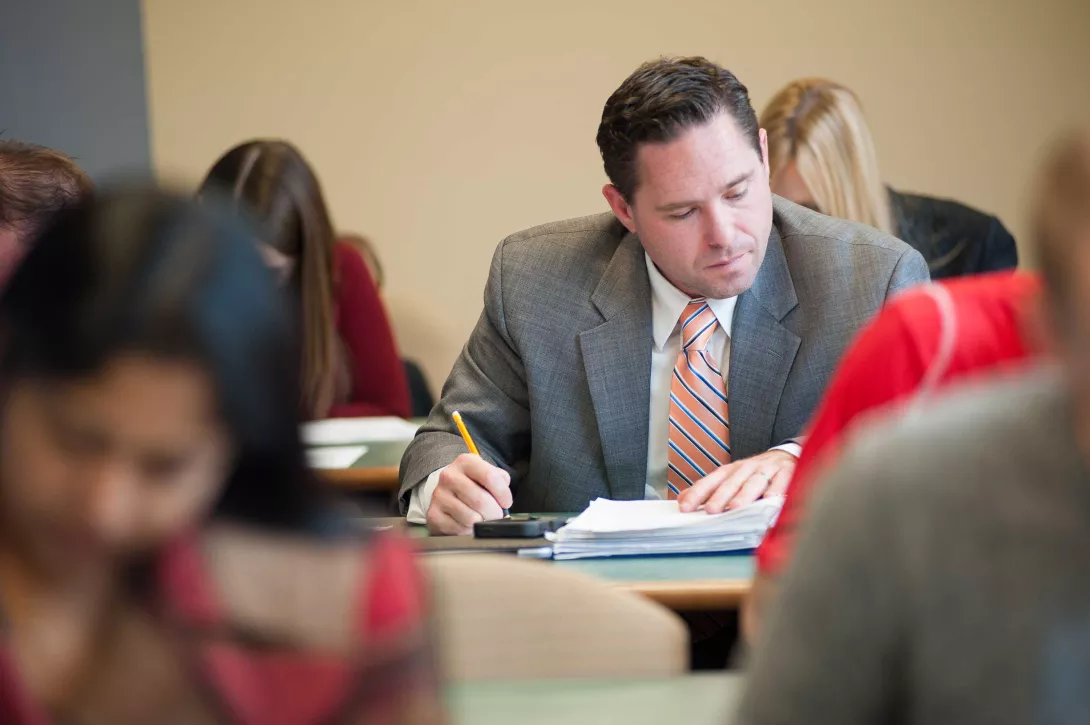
{"points": [[819, 125]]}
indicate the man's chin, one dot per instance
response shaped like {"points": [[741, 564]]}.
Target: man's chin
{"points": [[730, 285]]}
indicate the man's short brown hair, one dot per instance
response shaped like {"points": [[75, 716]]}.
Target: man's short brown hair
{"points": [[1061, 217], [35, 183], [661, 99]]}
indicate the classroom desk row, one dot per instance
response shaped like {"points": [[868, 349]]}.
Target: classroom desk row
{"points": [[373, 472], [701, 699], [682, 583]]}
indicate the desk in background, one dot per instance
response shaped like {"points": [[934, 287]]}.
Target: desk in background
{"points": [[693, 700], [682, 582], [373, 472]]}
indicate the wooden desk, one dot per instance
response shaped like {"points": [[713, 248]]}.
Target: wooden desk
{"points": [[703, 699], [696, 582], [376, 470], [373, 472], [699, 582]]}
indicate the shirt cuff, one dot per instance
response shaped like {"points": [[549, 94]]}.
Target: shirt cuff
{"points": [[793, 448], [420, 499]]}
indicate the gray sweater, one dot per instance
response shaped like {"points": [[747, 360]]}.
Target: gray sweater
{"points": [[943, 577]]}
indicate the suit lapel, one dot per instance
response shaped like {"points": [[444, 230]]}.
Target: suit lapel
{"points": [[617, 359], [762, 352]]}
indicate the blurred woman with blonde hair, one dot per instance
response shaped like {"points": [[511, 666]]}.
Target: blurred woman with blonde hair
{"points": [[822, 156]]}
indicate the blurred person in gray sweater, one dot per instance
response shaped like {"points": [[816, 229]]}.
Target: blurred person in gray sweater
{"points": [[942, 577]]}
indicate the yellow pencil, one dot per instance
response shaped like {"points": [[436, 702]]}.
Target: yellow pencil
{"points": [[465, 433], [469, 443]]}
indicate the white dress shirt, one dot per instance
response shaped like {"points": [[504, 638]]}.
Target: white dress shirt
{"points": [[667, 304]]}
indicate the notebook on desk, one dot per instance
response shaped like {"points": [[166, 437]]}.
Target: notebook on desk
{"points": [[634, 528]]}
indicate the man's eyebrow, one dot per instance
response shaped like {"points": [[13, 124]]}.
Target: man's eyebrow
{"points": [[673, 206]]}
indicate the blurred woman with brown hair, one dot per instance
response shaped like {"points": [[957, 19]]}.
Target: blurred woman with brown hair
{"points": [[821, 155], [350, 361]]}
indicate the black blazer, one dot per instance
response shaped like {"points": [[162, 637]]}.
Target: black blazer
{"points": [[955, 239]]}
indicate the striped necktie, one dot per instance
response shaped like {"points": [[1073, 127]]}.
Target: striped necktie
{"points": [[699, 432]]}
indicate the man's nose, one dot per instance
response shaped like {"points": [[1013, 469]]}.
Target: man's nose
{"points": [[719, 229]]}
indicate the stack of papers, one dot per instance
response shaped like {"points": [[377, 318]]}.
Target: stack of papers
{"points": [[345, 431], [628, 528]]}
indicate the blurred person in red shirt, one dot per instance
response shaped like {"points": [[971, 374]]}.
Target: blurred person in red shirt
{"points": [[165, 553], [351, 365], [929, 338]]}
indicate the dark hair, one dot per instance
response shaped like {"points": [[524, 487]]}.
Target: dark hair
{"points": [[1061, 214], [35, 183], [661, 99], [272, 181], [145, 271]]}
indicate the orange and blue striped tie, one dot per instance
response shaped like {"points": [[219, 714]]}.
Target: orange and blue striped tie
{"points": [[699, 431]]}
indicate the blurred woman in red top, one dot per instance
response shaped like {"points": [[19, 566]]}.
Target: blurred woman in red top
{"points": [[351, 365], [166, 556], [924, 340]]}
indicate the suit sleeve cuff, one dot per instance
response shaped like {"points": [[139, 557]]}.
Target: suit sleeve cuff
{"points": [[420, 499], [792, 447]]}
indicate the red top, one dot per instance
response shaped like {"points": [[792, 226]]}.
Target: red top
{"points": [[378, 375], [888, 363], [244, 666]]}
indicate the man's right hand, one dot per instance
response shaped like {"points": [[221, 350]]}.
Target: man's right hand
{"points": [[469, 490]]}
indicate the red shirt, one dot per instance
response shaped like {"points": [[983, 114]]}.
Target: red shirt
{"points": [[378, 375], [888, 363], [244, 655]]}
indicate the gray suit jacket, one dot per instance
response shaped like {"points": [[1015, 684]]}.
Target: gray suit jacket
{"points": [[554, 382]]}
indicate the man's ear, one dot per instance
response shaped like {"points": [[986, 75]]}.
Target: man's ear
{"points": [[620, 207]]}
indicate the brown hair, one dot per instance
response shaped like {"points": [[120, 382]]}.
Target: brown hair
{"points": [[661, 99], [1061, 216], [35, 183], [819, 125], [276, 185]]}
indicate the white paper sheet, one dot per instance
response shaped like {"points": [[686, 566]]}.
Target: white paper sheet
{"points": [[334, 456], [617, 528], [341, 431]]}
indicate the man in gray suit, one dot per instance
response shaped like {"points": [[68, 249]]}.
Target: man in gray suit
{"points": [[583, 378]]}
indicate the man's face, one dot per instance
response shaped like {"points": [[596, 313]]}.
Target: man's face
{"points": [[702, 208]]}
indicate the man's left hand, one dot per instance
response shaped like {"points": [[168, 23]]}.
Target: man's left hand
{"points": [[740, 483]]}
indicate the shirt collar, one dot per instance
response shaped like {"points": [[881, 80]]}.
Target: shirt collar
{"points": [[668, 302]]}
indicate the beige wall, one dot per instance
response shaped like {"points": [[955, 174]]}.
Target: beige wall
{"points": [[438, 127]]}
